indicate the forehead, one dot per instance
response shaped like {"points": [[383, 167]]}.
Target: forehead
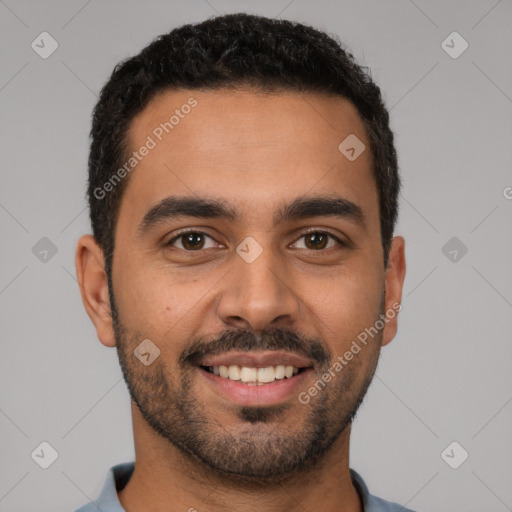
{"points": [[252, 149]]}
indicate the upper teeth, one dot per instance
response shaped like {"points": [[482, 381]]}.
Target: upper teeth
{"points": [[255, 375]]}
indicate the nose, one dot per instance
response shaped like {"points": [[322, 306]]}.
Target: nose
{"points": [[258, 295]]}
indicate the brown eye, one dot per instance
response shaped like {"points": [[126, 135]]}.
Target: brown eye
{"points": [[318, 240], [190, 241]]}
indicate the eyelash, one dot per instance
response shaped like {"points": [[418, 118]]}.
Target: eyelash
{"points": [[309, 232]]}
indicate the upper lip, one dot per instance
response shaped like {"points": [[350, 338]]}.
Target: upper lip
{"points": [[257, 359]]}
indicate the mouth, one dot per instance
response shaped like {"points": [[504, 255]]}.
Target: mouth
{"points": [[251, 378]]}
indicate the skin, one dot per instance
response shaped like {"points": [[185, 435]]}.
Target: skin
{"points": [[256, 151]]}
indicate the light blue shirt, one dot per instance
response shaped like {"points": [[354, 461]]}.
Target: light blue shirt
{"points": [[119, 475]]}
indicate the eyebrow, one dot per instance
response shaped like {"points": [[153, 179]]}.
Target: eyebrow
{"points": [[174, 207]]}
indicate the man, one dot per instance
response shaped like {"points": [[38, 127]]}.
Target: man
{"points": [[243, 194]]}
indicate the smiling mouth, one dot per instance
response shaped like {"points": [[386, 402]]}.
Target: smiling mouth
{"points": [[254, 376]]}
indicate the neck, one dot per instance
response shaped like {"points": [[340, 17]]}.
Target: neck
{"points": [[165, 479]]}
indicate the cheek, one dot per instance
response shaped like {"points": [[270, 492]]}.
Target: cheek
{"points": [[142, 298], [158, 304], [351, 305]]}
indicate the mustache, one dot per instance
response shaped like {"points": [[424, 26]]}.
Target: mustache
{"points": [[247, 341]]}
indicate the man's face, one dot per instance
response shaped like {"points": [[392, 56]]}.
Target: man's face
{"points": [[207, 288]]}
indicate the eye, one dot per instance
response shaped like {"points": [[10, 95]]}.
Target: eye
{"points": [[318, 240], [190, 241]]}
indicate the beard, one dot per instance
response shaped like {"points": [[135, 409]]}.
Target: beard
{"points": [[260, 447]]}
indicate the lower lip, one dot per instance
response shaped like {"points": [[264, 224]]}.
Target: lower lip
{"points": [[265, 394]]}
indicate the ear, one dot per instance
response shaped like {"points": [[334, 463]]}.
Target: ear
{"points": [[92, 280], [395, 275]]}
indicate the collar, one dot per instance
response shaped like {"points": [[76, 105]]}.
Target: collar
{"points": [[119, 475]]}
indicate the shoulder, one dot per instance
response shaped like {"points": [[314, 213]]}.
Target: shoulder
{"points": [[373, 503], [117, 477], [376, 504]]}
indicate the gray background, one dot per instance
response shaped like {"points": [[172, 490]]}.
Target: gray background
{"points": [[446, 377]]}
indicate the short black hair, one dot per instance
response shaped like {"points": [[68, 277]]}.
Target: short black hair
{"points": [[234, 50]]}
